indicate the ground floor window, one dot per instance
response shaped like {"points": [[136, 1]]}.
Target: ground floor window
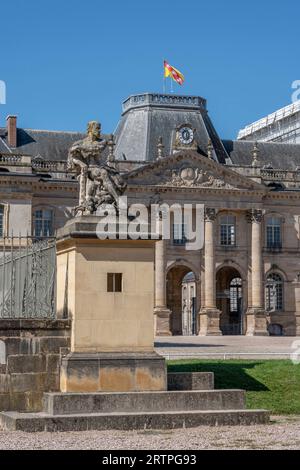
{"points": [[235, 295], [43, 223], [274, 292]]}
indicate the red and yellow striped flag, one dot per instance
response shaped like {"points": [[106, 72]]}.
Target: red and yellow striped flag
{"points": [[170, 71]]}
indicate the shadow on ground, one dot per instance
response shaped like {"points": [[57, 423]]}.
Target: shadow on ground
{"points": [[186, 345], [227, 375]]}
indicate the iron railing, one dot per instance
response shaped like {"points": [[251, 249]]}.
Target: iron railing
{"points": [[27, 277]]}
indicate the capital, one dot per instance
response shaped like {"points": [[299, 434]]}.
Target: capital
{"points": [[210, 214], [254, 215]]}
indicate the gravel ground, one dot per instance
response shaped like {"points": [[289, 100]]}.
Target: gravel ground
{"points": [[282, 433]]}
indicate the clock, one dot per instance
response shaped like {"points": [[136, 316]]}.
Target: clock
{"points": [[186, 135]]}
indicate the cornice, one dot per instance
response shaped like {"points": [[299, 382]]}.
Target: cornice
{"points": [[25, 182], [283, 195], [205, 190]]}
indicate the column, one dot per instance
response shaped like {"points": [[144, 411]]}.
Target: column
{"points": [[256, 316], [209, 314], [162, 313]]}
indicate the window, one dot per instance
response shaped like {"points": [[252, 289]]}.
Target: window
{"points": [[227, 230], [235, 292], [274, 292], [114, 282], [43, 223], [1, 221], [179, 231], [274, 232]]}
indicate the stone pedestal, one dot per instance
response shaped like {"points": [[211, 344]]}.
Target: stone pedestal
{"points": [[162, 321], [256, 322], [209, 322], [113, 372], [112, 335]]}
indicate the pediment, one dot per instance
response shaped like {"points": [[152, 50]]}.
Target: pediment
{"points": [[190, 170]]}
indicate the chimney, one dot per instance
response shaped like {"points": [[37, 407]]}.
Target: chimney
{"points": [[11, 125]]}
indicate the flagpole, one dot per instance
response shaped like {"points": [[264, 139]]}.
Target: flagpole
{"points": [[164, 79]]}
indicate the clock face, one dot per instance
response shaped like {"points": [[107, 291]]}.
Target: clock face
{"points": [[186, 135]]}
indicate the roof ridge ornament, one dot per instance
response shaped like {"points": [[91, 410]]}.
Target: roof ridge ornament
{"points": [[160, 148], [111, 156], [209, 149], [255, 156]]}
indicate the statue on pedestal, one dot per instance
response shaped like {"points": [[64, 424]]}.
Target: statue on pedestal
{"points": [[100, 183]]}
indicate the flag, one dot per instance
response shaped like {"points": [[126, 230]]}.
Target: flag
{"points": [[170, 71]]}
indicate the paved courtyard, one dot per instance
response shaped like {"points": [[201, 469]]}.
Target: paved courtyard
{"points": [[282, 433], [250, 347]]}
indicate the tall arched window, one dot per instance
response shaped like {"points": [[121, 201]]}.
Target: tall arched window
{"points": [[274, 235], [1, 221], [274, 292], [43, 223]]}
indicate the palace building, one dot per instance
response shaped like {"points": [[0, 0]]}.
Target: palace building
{"points": [[246, 278]]}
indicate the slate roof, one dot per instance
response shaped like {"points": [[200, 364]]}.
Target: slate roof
{"points": [[146, 120], [3, 148], [277, 155], [51, 145]]}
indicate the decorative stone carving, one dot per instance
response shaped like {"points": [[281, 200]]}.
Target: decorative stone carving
{"points": [[189, 176], [100, 183], [210, 214], [254, 215], [190, 170], [160, 149], [210, 149], [255, 155]]}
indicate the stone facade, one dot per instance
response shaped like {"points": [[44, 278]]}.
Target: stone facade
{"points": [[30, 364], [247, 274], [112, 337]]}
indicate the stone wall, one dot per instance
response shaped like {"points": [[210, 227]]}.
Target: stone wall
{"points": [[30, 361]]}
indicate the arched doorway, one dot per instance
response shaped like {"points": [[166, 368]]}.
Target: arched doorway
{"points": [[230, 301], [182, 300]]}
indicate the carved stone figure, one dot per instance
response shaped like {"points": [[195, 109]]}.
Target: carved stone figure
{"points": [[100, 183]]}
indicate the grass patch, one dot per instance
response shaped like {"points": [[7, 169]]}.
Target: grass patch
{"points": [[269, 384]]}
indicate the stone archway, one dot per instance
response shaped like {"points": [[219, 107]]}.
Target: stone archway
{"points": [[230, 300], [182, 300]]}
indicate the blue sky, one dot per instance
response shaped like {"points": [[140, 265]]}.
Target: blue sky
{"points": [[66, 62]]}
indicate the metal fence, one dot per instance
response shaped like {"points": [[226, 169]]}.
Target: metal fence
{"points": [[27, 277]]}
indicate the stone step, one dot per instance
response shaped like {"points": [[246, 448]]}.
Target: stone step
{"points": [[190, 380], [76, 403], [37, 422]]}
